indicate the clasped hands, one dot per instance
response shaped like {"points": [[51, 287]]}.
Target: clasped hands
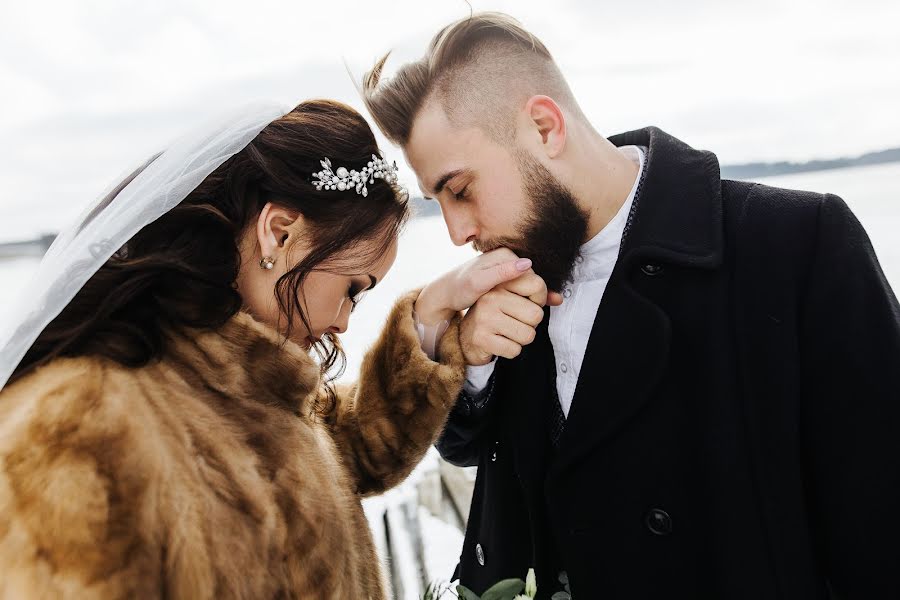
{"points": [[504, 300]]}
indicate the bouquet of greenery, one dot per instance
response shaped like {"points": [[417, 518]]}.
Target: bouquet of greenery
{"points": [[508, 589]]}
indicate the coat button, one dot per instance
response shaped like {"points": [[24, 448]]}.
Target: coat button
{"points": [[651, 270], [479, 554], [659, 522]]}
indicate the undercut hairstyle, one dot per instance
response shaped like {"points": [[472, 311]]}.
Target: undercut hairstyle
{"points": [[481, 70]]}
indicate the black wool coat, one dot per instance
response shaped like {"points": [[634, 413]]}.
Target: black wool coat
{"points": [[735, 431]]}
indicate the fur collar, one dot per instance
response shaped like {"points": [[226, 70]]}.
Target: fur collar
{"points": [[247, 359]]}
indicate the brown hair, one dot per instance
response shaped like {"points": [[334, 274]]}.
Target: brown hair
{"points": [[180, 271], [477, 68]]}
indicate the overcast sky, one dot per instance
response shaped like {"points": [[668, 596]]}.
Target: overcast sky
{"points": [[89, 88]]}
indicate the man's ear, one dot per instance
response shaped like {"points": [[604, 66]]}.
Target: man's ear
{"points": [[548, 120], [276, 229]]}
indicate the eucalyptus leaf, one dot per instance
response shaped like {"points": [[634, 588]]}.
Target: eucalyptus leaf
{"points": [[504, 590], [466, 594], [561, 596]]}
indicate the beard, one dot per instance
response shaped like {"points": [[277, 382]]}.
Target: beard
{"points": [[554, 229]]}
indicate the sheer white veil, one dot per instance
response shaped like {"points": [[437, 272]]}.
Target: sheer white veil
{"points": [[143, 196]]}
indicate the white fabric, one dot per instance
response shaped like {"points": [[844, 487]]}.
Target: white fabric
{"points": [[430, 335], [571, 323], [477, 377], [142, 197]]}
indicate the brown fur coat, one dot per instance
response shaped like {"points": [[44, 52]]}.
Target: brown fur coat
{"points": [[204, 475]]}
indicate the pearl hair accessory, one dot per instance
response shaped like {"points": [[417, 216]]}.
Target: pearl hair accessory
{"points": [[342, 179]]}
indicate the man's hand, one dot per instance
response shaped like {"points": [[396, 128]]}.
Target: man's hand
{"points": [[504, 319]]}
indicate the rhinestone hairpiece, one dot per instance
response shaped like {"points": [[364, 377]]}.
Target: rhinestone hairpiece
{"points": [[342, 179]]}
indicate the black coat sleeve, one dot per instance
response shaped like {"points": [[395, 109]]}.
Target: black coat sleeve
{"points": [[460, 442], [850, 409]]}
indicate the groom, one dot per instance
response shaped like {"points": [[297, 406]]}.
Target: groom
{"points": [[714, 409]]}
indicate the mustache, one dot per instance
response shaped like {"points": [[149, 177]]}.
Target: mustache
{"points": [[484, 246]]}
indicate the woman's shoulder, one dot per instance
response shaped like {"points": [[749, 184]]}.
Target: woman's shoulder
{"points": [[61, 403]]}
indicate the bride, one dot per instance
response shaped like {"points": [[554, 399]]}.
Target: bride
{"points": [[165, 430]]}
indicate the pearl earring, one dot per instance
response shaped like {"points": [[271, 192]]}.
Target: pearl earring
{"points": [[267, 263]]}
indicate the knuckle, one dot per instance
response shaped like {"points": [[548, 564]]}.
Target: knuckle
{"points": [[506, 253]]}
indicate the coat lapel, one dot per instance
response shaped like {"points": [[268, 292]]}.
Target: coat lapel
{"points": [[528, 425], [626, 355], [677, 220]]}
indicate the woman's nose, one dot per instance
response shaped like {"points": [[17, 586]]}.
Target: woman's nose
{"points": [[343, 320]]}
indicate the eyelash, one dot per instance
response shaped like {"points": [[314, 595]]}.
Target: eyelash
{"points": [[352, 294], [462, 193]]}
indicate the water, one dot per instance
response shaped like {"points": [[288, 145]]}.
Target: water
{"points": [[872, 192]]}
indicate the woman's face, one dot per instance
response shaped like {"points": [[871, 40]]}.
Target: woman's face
{"points": [[327, 295]]}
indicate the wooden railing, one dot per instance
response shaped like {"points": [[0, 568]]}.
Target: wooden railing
{"points": [[444, 493]]}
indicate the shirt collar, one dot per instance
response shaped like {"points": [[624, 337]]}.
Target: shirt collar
{"points": [[598, 255]]}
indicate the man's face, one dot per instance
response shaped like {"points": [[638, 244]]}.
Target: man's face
{"points": [[492, 196], [474, 179]]}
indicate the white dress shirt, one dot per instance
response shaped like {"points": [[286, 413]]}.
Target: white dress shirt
{"points": [[571, 323]]}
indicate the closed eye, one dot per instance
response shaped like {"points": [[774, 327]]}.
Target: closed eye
{"points": [[356, 295], [462, 194], [356, 292]]}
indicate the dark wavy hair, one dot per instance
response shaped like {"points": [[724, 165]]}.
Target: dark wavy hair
{"points": [[180, 271]]}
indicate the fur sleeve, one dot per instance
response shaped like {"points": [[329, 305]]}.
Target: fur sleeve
{"points": [[385, 423]]}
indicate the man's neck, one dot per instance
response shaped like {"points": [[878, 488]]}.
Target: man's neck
{"points": [[604, 178]]}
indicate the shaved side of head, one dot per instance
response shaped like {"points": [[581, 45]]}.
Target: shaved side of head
{"points": [[480, 70]]}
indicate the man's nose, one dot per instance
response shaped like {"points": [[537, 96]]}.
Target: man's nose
{"points": [[461, 227]]}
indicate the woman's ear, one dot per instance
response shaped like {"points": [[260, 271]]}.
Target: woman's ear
{"points": [[548, 120], [276, 229]]}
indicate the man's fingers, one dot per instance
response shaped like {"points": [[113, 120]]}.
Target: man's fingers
{"points": [[501, 346], [554, 299], [513, 330], [521, 309], [528, 285]]}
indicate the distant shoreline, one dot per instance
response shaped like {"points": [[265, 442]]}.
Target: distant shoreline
{"points": [[756, 170], [430, 208]]}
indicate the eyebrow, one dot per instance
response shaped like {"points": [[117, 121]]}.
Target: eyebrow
{"points": [[439, 186]]}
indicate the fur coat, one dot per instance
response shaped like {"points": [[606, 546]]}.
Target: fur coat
{"points": [[212, 472]]}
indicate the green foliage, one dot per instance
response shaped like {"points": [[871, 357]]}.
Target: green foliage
{"points": [[504, 590], [466, 594], [507, 589]]}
